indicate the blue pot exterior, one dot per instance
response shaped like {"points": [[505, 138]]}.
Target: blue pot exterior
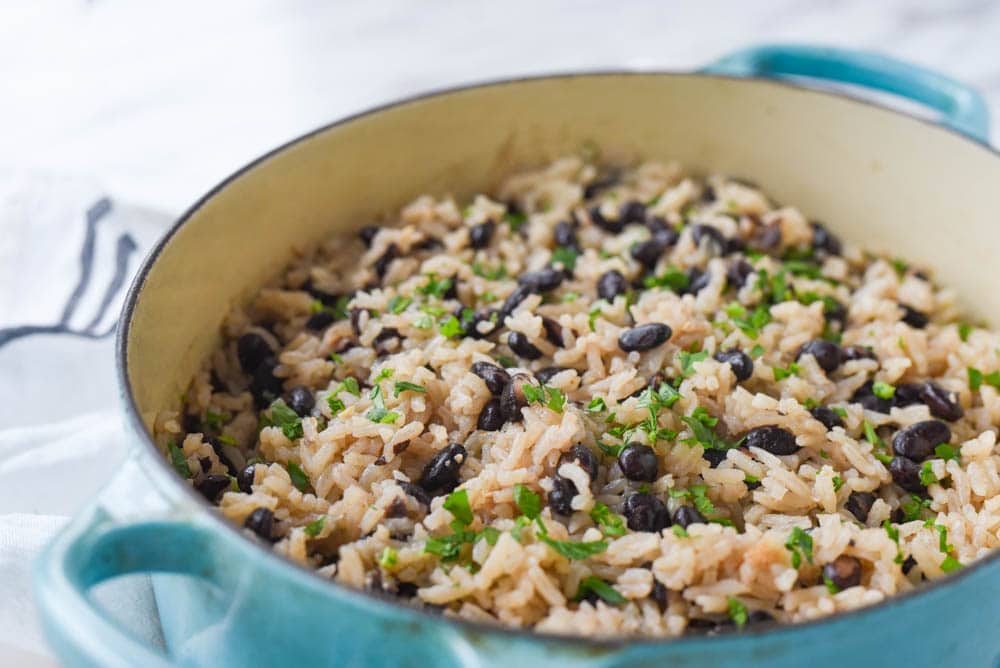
{"points": [[225, 600]]}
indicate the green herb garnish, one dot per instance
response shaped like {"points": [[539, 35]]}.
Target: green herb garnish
{"points": [[451, 327], [288, 420], [404, 386], [178, 459], [883, 390], [609, 523], [594, 584], [378, 412], [927, 477], [299, 478], [398, 304], [457, 503], [313, 528], [893, 534], [389, 558], [800, 544], [737, 611], [565, 256]]}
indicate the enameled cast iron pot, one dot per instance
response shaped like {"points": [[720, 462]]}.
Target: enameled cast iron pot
{"points": [[878, 177]]}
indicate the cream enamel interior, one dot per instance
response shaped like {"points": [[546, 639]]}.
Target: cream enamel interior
{"points": [[878, 178]]}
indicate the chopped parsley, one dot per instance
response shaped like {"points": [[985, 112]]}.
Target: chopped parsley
{"points": [[893, 534], [389, 558], [215, 420], [288, 420], [574, 551], [964, 329], [737, 611], [878, 445], [527, 502], [680, 531], [565, 256], [883, 390], [750, 324], [594, 584], [424, 322], [783, 373], [404, 386], [451, 327], [385, 373], [688, 360], [515, 220], [927, 477], [398, 304], [178, 459], [673, 279], [698, 494], [830, 586], [506, 361], [597, 405], [946, 451], [800, 544], [500, 272], [838, 482], [457, 503], [757, 351], [705, 436], [702, 415], [609, 523], [977, 378], [378, 412], [551, 397], [913, 508], [530, 506], [610, 450], [313, 528], [435, 287], [950, 564], [592, 317], [298, 476]]}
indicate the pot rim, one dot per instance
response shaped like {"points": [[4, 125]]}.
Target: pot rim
{"points": [[295, 570]]}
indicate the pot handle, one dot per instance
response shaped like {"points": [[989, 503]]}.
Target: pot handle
{"points": [[94, 547], [961, 107]]}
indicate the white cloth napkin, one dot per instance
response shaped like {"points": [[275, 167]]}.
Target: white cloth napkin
{"points": [[68, 252]]}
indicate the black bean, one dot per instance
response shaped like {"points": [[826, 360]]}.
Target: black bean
{"points": [[383, 337], [826, 353], [542, 280], [632, 212], [738, 361], [835, 312], [645, 512], [355, 315], [512, 399], [865, 396], [265, 386], [545, 375], [211, 486], [917, 441], [381, 265], [685, 516], [714, 457], [301, 400], [849, 353], [659, 594], [565, 235], [824, 240], [584, 457], [844, 572], [611, 284], [416, 492], [711, 237], [827, 416], [601, 183], [639, 462], [261, 522], [427, 243], [252, 349], [613, 226], [553, 332], [906, 474], [480, 235], [495, 377], [368, 234], [245, 478], [491, 418], [734, 245], [697, 281], [644, 337], [738, 272], [908, 565], [767, 238], [522, 347], [860, 504], [520, 293], [320, 320], [760, 617], [561, 496], [440, 475], [943, 404], [913, 317], [469, 320], [773, 439], [648, 252], [907, 394]]}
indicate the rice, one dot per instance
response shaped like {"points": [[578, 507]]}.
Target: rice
{"points": [[439, 410]]}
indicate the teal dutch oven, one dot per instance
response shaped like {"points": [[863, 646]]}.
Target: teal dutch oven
{"points": [[920, 189]]}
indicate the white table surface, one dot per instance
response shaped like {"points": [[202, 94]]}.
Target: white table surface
{"points": [[160, 101]]}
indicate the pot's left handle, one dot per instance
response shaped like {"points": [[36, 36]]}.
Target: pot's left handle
{"points": [[94, 547]]}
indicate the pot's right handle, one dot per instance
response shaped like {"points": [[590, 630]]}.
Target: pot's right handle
{"points": [[961, 107]]}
